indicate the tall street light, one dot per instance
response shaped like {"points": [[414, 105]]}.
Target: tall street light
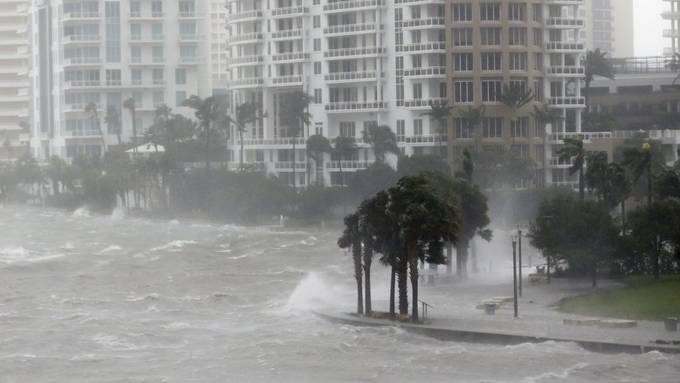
{"points": [[514, 273], [519, 236]]}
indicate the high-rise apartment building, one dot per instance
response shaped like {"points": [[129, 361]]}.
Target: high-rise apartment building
{"points": [[673, 33], [104, 52], [384, 62], [14, 83], [610, 27], [219, 50]]}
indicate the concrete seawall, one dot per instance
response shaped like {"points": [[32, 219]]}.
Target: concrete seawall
{"points": [[499, 338]]}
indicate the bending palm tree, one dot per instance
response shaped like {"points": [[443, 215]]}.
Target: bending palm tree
{"points": [[208, 112], [91, 109], [596, 64], [441, 114], [247, 113], [294, 116], [515, 97], [545, 115], [344, 148], [473, 117], [640, 161], [113, 122], [382, 139], [574, 151], [131, 105], [317, 146]]}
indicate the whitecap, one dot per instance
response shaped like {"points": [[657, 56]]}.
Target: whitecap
{"points": [[81, 212], [110, 249], [174, 245], [177, 326]]}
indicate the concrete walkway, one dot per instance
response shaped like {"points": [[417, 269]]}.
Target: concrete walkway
{"points": [[455, 308]]}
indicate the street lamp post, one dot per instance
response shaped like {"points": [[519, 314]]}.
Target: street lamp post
{"points": [[514, 274], [520, 261]]}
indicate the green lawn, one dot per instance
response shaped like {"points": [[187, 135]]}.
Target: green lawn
{"points": [[643, 298]]}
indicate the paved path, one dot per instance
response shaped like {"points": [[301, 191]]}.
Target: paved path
{"points": [[454, 307]]}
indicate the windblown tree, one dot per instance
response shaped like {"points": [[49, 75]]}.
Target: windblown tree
{"points": [[131, 105], [93, 110], [573, 151], [317, 147], [582, 233], [641, 161], [246, 114], [596, 64], [668, 184], [114, 122], [209, 112], [440, 113], [294, 115], [472, 119], [344, 148], [609, 181], [351, 239], [655, 231], [382, 140], [515, 98], [544, 115]]}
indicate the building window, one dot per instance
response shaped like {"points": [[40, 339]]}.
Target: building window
{"points": [[418, 127], [462, 129], [518, 61], [180, 97], [463, 91], [317, 68], [317, 21], [490, 36], [492, 127], [491, 61], [461, 12], [317, 45], [401, 130], [517, 37], [519, 128], [347, 129], [491, 89], [517, 11], [490, 11], [462, 37], [180, 76], [112, 9], [462, 62], [318, 96]]}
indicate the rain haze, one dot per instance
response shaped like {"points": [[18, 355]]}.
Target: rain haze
{"points": [[379, 191]]}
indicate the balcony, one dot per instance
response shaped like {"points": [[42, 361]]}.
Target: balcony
{"points": [[245, 16], [244, 83], [564, 23], [430, 140], [425, 23], [355, 107], [286, 81], [82, 61], [348, 165], [82, 39], [291, 57], [429, 72], [247, 38], [564, 47], [246, 60], [566, 71], [567, 102], [292, 34], [345, 53], [352, 5], [425, 103], [271, 143], [289, 12], [427, 47], [80, 16], [348, 77], [288, 165], [352, 29]]}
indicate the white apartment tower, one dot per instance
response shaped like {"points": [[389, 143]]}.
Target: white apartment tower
{"points": [[104, 52], [610, 27], [384, 62], [14, 83], [673, 33]]}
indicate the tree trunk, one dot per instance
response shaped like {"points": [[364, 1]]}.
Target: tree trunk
{"points": [[368, 258], [461, 258], [587, 96], [473, 253], [294, 163], [623, 216], [649, 184], [545, 156], [594, 274], [241, 165], [358, 276], [547, 259], [413, 260], [403, 285], [581, 184], [449, 258], [657, 253], [393, 278]]}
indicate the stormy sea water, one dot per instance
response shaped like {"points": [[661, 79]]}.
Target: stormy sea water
{"points": [[87, 298]]}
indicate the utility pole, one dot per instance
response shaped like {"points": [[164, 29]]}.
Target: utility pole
{"points": [[514, 274], [520, 263]]}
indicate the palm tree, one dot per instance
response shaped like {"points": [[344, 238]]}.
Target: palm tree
{"points": [[574, 151], [674, 65], [294, 115], [208, 112], [473, 117], [113, 122], [440, 113], [246, 113], [640, 161], [596, 64], [544, 115], [131, 105], [317, 147], [351, 239], [92, 109], [515, 97], [345, 147], [382, 140]]}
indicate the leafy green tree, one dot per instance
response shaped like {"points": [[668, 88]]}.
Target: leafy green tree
{"points": [[596, 64], [56, 171], [344, 148], [544, 115], [294, 115], [317, 147], [440, 113], [366, 183], [417, 164], [382, 141], [574, 151], [93, 110], [500, 167], [656, 230], [641, 161], [473, 117], [351, 239], [609, 181], [114, 123], [668, 184], [246, 114], [582, 233]]}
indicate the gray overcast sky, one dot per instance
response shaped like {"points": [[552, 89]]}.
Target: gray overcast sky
{"points": [[649, 26]]}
